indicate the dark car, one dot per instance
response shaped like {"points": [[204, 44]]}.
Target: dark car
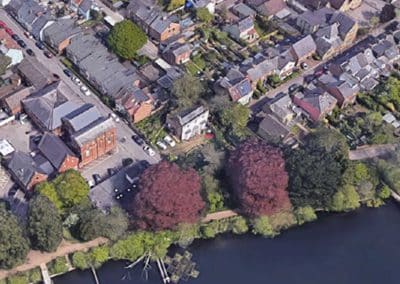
{"points": [[21, 43], [48, 54], [97, 178], [294, 88], [143, 164], [67, 72], [30, 52], [15, 37], [13, 190], [138, 140], [37, 139], [39, 45]]}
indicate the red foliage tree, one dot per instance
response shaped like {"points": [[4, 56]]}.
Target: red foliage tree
{"points": [[167, 197], [257, 174]]}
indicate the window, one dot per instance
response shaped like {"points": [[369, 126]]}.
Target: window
{"points": [[87, 153]]}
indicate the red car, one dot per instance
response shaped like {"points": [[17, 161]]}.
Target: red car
{"points": [[2, 24], [48, 54], [9, 31]]}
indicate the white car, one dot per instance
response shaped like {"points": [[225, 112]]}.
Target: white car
{"points": [[77, 81], [115, 117], [84, 88], [169, 141], [88, 93], [149, 151], [161, 145]]}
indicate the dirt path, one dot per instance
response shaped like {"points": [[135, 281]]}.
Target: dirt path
{"points": [[219, 216], [36, 258], [372, 151]]}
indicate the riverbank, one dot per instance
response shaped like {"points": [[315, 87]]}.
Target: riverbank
{"points": [[347, 248]]}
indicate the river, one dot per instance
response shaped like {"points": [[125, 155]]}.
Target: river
{"points": [[358, 247]]}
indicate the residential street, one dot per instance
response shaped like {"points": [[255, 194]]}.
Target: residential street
{"points": [[127, 148]]}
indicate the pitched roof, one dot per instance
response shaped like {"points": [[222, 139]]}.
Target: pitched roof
{"points": [[14, 100], [271, 7], [319, 99], [61, 30], [270, 127], [82, 117], [304, 46], [93, 130], [49, 105], [54, 149], [34, 71], [189, 114]]}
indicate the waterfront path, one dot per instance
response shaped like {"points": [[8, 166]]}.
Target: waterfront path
{"points": [[367, 152], [45, 274], [219, 216], [37, 258]]}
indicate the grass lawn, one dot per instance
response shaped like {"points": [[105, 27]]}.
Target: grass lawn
{"points": [[152, 128], [191, 68]]}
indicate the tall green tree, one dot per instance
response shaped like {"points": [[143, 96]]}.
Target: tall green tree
{"points": [[44, 224], [71, 188], [13, 245], [187, 90], [235, 119], [204, 15], [345, 199], [126, 38]]}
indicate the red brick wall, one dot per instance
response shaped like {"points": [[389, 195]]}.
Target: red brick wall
{"points": [[102, 145], [37, 178], [70, 162]]}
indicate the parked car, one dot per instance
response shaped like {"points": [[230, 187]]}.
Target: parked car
{"points": [[28, 35], [9, 31], [170, 141], [149, 151], [138, 140], [15, 37], [161, 145], [76, 80], [48, 54], [97, 178], [2, 24], [84, 88], [30, 52], [67, 72], [40, 45], [304, 65], [87, 93], [294, 88], [115, 117], [21, 43]]}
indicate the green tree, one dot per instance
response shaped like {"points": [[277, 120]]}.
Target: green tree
{"points": [[18, 279], [94, 223], [262, 226], [44, 224], [187, 90], [174, 4], [47, 189], [235, 119], [126, 38], [71, 188], [99, 255], [346, 199], [274, 80], [214, 197], [305, 214], [35, 275], [80, 260], [59, 265], [13, 245], [5, 61], [204, 15], [239, 225]]}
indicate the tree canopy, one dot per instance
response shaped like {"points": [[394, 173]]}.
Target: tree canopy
{"points": [[258, 177], [65, 191], [126, 38], [94, 223], [5, 61], [13, 245], [388, 13], [167, 197], [204, 15], [235, 119], [44, 224], [187, 90], [345, 199]]}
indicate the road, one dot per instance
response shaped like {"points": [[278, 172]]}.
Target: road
{"points": [[127, 149], [358, 46]]}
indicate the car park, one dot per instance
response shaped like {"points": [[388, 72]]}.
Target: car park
{"points": [[161, 145], [30, 52], [138, 140], [149, 151], [169, 141], [48, 54]]}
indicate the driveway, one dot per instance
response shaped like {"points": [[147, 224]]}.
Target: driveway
{"points": [[129, 148]]}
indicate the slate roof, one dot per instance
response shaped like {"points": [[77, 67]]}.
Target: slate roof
{"points": [[23, 167], [270, 127], [265, 68], [237, 85], [271, 7], [319, 99], [29, 11], [39, 24], [93, 130], [190, 114], [304, 46], [243, 10], [82, 117], [245, 24], [86, 5], [50, 105], [61, 30], [34, 71], [54, 149], [346, 23], [14, 100]]}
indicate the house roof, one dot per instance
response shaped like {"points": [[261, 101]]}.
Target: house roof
{"points": [[304, 46], [245, 24], [54, 149], [271, 7], [263, 69], [40, 23], [243, 10], [281, 106], [189, 114], [82, 117], [35, 73], [237, 85], [14, 100], [23, 167], [61, 30], [93, 130], [318, 99], [86, 5], [29, 11], [346, 23], [270, 127], [50, 105]]}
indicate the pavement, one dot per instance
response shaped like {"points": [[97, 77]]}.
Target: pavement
{"points": [[127, 149]]}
